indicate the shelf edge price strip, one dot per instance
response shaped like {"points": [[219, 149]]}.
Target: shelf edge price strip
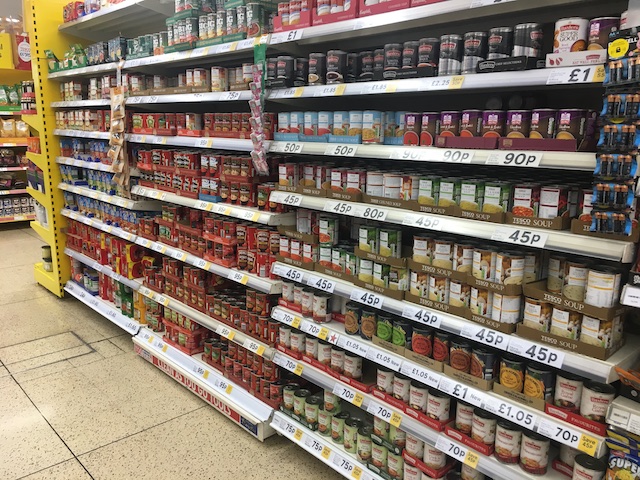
{"points": [[539, 353], [479, 333], [348, 394], [460, 453], [384, 413]]}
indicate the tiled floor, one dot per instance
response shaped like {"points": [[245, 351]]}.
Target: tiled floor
{"points": [[77, 403]]}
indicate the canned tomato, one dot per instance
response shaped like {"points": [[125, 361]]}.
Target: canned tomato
{"points": [[493, 123], [337, 427], [441, 342], [534, 453], [596, 398], [449, 124], [500, 43], [451, 49], [538, 382], [508, 442], [429, 128], [543, 123], [317, 67], [428, 52], [464, 418], [599, 30], [483, 363], [512, 373], [568, 391], [483, 427], [528, 40], [372, 131], [571, 35], [518, 123]]}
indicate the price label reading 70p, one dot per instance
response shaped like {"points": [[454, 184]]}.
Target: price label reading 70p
{"points": [[348, 394], [384, 413]]}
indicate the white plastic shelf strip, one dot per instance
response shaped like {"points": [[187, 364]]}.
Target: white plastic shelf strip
{"points": [[112, 199]]}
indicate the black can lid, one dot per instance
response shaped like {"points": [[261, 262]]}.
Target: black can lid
{"points": [[353, 422], [314, 400], [365, 430], [587, 461], [600, 387], [507, 425], [478, 412], [342, 415], [302, 392]]}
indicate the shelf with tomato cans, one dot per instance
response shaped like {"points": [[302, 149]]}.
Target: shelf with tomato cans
{"points": [[598, 370], [560, 241], [232, 400], [112, 199], [244, 213], [534, 419], [486, 464], [266, 285]]}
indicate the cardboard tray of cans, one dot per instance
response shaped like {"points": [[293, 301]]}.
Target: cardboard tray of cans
{"points": [[299, 418], [310, 266], [434, 424], [580, 227], [288, 351], [466, 440], [364, 385], [477, 382], [558, 223], [288, 231], [424, 468]]}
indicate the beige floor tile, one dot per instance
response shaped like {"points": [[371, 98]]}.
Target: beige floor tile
{"points": [[106, 348], [204, 444], [86, 333], [6, 382], [3, 371], [32, 444], [22, 322], [43, 371], [69, 470], [86, 359], [38, 348], [123, 342], [19, 285], [81, 413], [43, 360], [143, 382]]}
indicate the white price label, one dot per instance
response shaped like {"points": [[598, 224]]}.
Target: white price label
{"points": [[288, 364], [255, 347], [486, 3], [158, 247], [453, 450], [348, 394], [515, 159], [421, 374], [342, 208], [330, 90], [224, 386], [368, 298], [437, 83], [200, 263], [225, 331], [162, 300], [290, 199], [339, 150], [289, 272], [383, 358], [375, 88], [461, 391], [345, 466], [204, 143], [202, 205], [227, 47], [321, 283], [558, 432], [631, 295], [371, 213], [93, 301], [230, 96], [421, 315], [285, 317], [249, 215], [539, 353], [576, 75], [384, 413], [282, 37], [290, 147], [178, 255], [238, 277], [311, 328], [511, 412], [456, 156], [411, 154], [314, 445], [246, 44], [481, 334], [520, 236], [97, 266], [200, 371], [144, 242], [146, 292], [349, 342]]}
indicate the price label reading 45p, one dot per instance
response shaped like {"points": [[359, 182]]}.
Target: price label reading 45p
{"points": [[292, 274], [368, 298], [292, 200], [421, 315], [484, 335], [538, 353], [321, 283], [343, 208], [520, 236], [422, 221], [341, 150]]}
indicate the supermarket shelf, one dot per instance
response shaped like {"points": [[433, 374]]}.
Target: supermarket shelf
{"points": [[81, 103], [227, 397], [529, 78], [83, 71], [47, 279], [487, 465], [244, 95], [102, 268], [251, 281], [103, 167], [560, 241], [16, 191], [39, 196], [515, 412], [243, 213], [630, 296], [328, 452], [81, 134], [37, 158], [529, 159], [194, 142], [17, 218], [112, 199], [103, 307], [624, 413], [129, 18], [9, 113], [599, 370], [13, 142], [13, 169], [43, 231]]}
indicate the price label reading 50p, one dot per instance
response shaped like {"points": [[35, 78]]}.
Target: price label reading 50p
{"points": [[339, 150], [290, 147]]}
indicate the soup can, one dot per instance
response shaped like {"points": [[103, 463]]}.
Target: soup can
{"points": [[451, 50], [410, 54], [534, 453], [596, 398], [372, 128], [483, 363], [506, 308], [464, 418], [428, 52], [537, 314], [512, 373], [434, 458], [571, 35], [483, 427], [602, 287], [543, 123], [422, 340], [439, 288], [500, 43], [379, 456], [414, 446], [484, 264], [493, 123], [441, 343], [518, 123], [351, 427], [475, 50], [568, 391], [402, 332], [429, 128], [418, 394], [588, 468], [395, 465], [575, 280], [392, 56], [324, 422], [459, 293], [528, 40], [554, 201], [509, 269], [449, 123], [599, 30], [508, 442], [355, 123], [460, 355], [571, 123], [317, 68], [565, 323], [337, 427], [539, 382], [336, 66], [471, 123]]}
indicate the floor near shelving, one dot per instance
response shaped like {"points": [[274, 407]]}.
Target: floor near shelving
{"points": [[77, 403]]}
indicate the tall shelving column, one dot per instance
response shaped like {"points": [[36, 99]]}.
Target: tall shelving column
{"points": [[42, 18]]}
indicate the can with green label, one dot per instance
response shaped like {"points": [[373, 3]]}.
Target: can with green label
{"points": [[368, 239], [496, 196], [351, 427], [472, 194], [384, 326]]}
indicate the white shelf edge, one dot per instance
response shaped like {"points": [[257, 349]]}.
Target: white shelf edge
{"points": [[101, 268], [104, 308], [103, 167], [624, 413], [112, 199], [81, 103]]}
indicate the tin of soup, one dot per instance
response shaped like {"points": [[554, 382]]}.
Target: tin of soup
{"points": [[450, 124], [471, 123], [428, 52], [537, 314], [543, 123], [568, 391], [534, 453], [512, 373], [518, 123], [599, 30], [500, 43], [508, 442], [571, 35], [451, 50]]}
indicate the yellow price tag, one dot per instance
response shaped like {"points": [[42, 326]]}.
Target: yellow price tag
{"points": [[298, 93], [208, 207], [340, 89], [298, 369], [395, 419], [599, 74], [108, 228], [163, 141], [244, 280], [588, 445], [256, 41], [323, 333], [205, 375], [358, 399], [255, 217], [228, 389], [356, 473], [326, 451], [227, 211], [90, 222], [456, 82], [233, 47], [260, 351], [471, 459], [143, 139], [233, 334], [205, 51], [298, 434], [164, 347], [391, 87], [150, 339], [296, 322]]}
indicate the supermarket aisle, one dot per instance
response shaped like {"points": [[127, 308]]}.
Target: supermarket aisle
{"points": [[77, 403]]}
